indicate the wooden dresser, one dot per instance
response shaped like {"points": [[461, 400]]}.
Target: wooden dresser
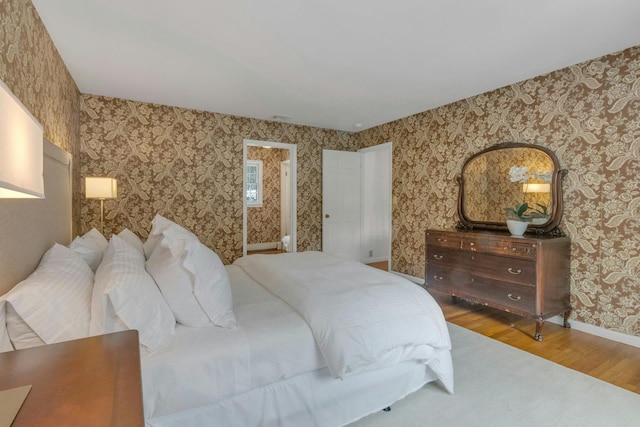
{"points": [[528, 276], [87, 382]]}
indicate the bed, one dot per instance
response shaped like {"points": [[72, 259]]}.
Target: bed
{"points": [[290, 339], [274, 367]]}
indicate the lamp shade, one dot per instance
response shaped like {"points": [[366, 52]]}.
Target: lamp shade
{"points": [[21, 149], [100, 188], [536, 188]]}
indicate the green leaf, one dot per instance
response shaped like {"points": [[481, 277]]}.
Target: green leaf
{"points": [[521, 209]]}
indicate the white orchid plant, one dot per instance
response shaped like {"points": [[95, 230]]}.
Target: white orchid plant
{"points": [[521, 174]]}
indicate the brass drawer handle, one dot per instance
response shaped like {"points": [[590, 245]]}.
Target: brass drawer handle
{"points": [[436, 256], [438, 277], [510, 270], [512, 298], [442, 240]]}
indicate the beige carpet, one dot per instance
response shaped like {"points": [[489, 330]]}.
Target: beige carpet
{"points": [[498, 385]]}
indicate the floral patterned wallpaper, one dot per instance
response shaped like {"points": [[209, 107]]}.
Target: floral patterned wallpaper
{"points": [[263, 223], [187, 166], [32, 68], [589, 115]]}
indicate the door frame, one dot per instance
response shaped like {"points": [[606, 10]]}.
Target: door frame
{"points": [[293, 150], [284, 166]]}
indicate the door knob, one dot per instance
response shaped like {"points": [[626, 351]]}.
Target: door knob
{"points": [[326, 215]]}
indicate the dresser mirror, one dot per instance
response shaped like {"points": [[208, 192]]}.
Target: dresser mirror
{"points": [[508, 174]]}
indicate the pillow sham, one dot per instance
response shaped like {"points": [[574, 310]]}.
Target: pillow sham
{"points": [[158, 225], [192, 279], [53, 304], [5, 342], [125, 297], [129, 237], [90, 247], [21, 333]]}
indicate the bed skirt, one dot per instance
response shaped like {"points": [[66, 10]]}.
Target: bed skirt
{"points": [[310, 399]]}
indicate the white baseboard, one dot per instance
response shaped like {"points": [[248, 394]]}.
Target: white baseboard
{"points": [[631, 340], [262, 246]]}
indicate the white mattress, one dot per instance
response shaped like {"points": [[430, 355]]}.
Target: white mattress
{"points": [[266, 372]]}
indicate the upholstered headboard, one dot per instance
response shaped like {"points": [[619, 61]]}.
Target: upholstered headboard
{"points": [[28, 227]]}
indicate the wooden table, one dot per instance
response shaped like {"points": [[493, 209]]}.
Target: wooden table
{"points": [[87, 382]]}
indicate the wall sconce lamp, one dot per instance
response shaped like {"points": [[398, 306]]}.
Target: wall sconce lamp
{"points": [[21, 151], [100, 188], [536, 188]]}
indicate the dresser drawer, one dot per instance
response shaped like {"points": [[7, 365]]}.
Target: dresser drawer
{"points": [[445, 279], [446, 257], [506, 246], [480, 289], [509, 295], [443, 239], [506, 269]]}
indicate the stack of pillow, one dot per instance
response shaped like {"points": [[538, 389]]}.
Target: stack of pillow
{"points": [[191, 277], [96, 286]]}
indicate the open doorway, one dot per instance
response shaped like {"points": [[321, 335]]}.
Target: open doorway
{"points": [[269, 198]]}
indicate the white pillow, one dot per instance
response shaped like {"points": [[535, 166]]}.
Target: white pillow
{"points": [[129, 237], [192, 279], [53, 304], [90, 247], [125, 297], [158, 225], [5, 342]]}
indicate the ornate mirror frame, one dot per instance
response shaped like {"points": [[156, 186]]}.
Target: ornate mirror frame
{"points": [[557, 174]]}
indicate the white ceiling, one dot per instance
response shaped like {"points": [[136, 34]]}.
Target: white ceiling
{"points": [[326, 63]]}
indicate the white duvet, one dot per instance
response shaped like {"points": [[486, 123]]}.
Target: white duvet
{"points": [[362, 318], [272, 364]]}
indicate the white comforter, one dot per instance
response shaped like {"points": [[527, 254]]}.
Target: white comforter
{"points": [[362, 318]]}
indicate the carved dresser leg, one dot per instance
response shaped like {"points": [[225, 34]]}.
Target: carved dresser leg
{"points": [[538, 336], [566, 319]]}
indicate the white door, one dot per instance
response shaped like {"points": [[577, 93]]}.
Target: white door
{"points": [[341, 204]]}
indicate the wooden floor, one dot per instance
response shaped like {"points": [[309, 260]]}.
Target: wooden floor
{"points": [[382, 265], [610, 361]]}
